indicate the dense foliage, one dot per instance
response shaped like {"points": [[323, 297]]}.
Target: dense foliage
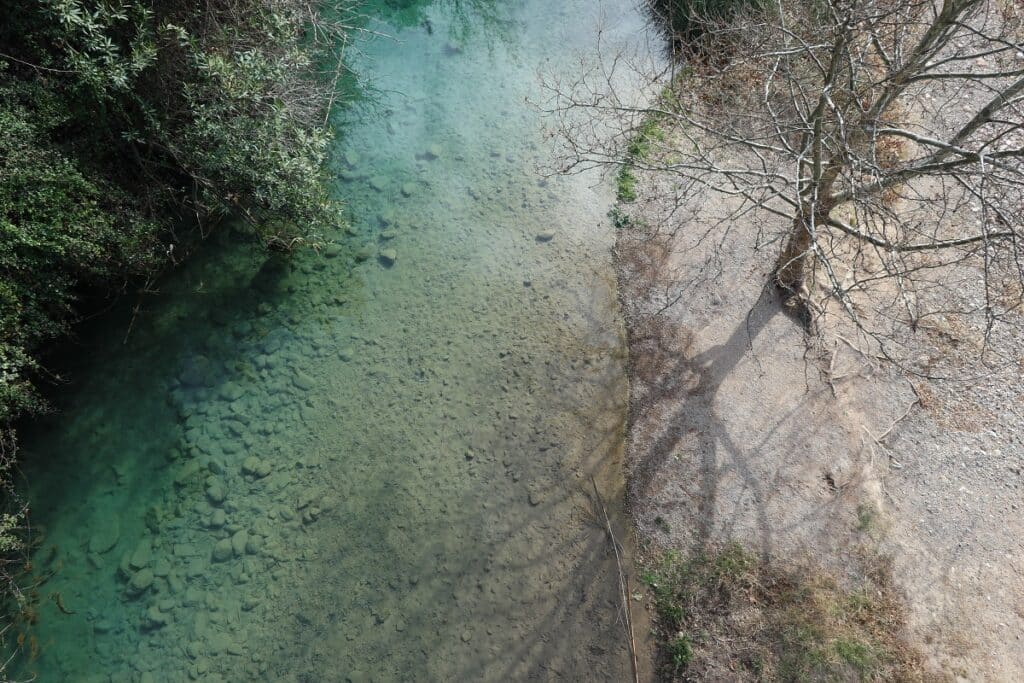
{"points": [[127, 129]]}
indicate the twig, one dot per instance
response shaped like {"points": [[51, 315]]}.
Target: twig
{"points": [[623, 580]]}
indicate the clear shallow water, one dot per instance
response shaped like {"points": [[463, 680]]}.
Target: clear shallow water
{"points": [[346, 468]]}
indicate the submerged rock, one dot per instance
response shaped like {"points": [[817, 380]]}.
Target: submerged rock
{"points": [[303, 381], [142, 554], [545, 236], [215, 491], [255, 467], [223, 551], [196, 372], [106, 537], [239, 541], [388, 257], [141, 581]]}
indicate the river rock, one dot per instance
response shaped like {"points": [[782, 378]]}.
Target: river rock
{"points": [[218, 518], [255, 467], [408, 189], [141, 581], [379, 183], [215, 491], [223, 551], [106, 537], [238, 542], [545, 236], [351, 158], [303, 381], [253, 545], [346, 353], [196, 372], [432, 152], [388, 257], [155, 618], [142, 554], [231, 392]]}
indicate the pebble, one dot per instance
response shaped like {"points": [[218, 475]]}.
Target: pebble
{"points": [[106, 537], [142, 554], [545, 236], [255, 467], [239, 541], [141, 581], [215, 491], [388, 257], [223, 551], [303, 381]]}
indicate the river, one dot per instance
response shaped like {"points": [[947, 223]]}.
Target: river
{"points": [[373, 462]]}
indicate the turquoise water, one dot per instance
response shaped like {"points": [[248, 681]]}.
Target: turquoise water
{"points": [[368, 463]]}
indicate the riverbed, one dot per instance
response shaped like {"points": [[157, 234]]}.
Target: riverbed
{"points": [[373, 461]]}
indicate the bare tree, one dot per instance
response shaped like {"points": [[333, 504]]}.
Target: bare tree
{"points": [[880, 141]]}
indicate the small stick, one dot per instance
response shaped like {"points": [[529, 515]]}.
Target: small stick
{"points": [[623, 581]]}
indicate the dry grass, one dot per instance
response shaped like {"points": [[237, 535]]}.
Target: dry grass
{"points": [[725, 615]]}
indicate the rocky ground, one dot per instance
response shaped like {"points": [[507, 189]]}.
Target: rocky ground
{"points": [[814, 454]]}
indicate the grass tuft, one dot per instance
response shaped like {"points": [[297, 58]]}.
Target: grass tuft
{"points": [[727, 615]]}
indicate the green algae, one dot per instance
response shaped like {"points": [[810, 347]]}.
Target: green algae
{"points": [[364, 462]]}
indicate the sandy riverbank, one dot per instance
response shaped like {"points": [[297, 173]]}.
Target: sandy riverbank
{"points": [[807, 456]]}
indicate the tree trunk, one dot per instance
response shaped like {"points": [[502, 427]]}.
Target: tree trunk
{"points": [[790, 269]]}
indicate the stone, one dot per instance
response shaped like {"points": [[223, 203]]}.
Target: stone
{"points": [[231, 392], [193, 596], [155, 618], [223, 550], [253, 545], [196, 372], [217, 643], [379, 183], [351, 158], [545, 236], [215, 492], [432, 152], [346, 353], [141, 581], [363, 253], [106, 537], [255, 467], [239, 541], [408, 189], [388, 257], [303, 381], [161, 567], [218, 518], [388, 234], [142, 554]]}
